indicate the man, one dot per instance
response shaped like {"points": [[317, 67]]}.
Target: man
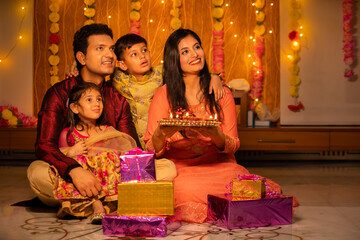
{"points": [[94, 53]]}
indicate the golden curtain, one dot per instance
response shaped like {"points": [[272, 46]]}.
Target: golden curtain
{"points": [[239, 20]]}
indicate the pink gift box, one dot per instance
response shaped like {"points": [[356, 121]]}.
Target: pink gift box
{"points": [[137, 166], [228, 212], [140, 226]]}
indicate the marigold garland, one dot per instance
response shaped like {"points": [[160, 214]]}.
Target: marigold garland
{"points": [[295, 46], [89, 11], [10, 116], [135, 17], [54, 39], [257, 71], [218, 34], [348, 39], [175, 22]]}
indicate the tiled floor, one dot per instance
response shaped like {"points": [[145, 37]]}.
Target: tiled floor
{"points": [[329, 196]]}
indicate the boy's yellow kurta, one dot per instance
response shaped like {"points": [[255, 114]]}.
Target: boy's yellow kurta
{"points": [[139, 95]]}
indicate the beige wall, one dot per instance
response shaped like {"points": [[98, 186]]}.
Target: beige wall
{"points": [[16, 71]]}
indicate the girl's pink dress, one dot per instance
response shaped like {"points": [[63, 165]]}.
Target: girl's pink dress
{"points": [[103, 154], [202, 168]]}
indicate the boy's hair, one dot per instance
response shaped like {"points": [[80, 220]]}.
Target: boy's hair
{"points": [[74, 96], [126, 42], [81, 43]]}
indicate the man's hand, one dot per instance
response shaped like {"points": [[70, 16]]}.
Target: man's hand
{"points": [[85, 182]]}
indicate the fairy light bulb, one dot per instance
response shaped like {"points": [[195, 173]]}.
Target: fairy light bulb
{"points": [[235, 35], [85, 8], [290, 57], [270, 31], [109, 16], [249, 55], [231, 22], [20, 37], [226, 5], [151, 20], [251, 37]]}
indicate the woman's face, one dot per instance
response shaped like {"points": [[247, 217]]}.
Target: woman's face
{"points": [[192, 59]]}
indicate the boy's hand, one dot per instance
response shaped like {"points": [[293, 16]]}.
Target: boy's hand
{"points": [[73, 73], [216, 87]]}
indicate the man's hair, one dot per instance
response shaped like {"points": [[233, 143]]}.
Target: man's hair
{"points": [[126, 42], [81, 37]]}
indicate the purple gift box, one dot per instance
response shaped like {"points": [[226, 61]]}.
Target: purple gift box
{"points": [[140, 226], [137, 165], [225, 211]]}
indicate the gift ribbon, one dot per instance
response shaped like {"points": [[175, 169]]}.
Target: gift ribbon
{"points": [[268, 192]]}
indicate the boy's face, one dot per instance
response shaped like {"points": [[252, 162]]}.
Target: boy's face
{"points": [[100, 56], [136, 60]]}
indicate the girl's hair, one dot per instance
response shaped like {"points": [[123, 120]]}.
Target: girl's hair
{"points": [[74, 96], [173, 75]]}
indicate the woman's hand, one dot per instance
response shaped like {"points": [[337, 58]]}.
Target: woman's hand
{"points": [[216, 87], [78, 148], [160, 135], [214, 133]]}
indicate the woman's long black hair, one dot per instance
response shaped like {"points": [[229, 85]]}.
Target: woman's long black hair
{"points": [[74, 96], [173, 75]]}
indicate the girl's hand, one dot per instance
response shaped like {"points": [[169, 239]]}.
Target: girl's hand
{"points": [[216, 87], [77, 149], [160, 135], [214, 133]]}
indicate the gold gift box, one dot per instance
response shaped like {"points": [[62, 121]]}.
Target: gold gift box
{"points": [[155, 198], [248, 188]]}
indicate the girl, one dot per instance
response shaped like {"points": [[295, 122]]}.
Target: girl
{"points": [[96, 147], [204, 156]]}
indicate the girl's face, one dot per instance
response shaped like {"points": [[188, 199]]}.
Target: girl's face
{"points": [[89, 107], [192, 57]]}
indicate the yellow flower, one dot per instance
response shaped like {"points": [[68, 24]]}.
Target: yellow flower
{"points": [[54, 48], [54, 7], [218, 2], [135, 5], [260, 4], [88, 22], [175, 12], [294, 91], [89, 2], [175, 23], [54, 70], [89, 12], [13, 121], [218, 26], [6, 114], [54, 28], [259, 30], [54, 60], [135, 15], [54, 79], [218, 12], [294, 69], [54, 17], [260, 16], [176, 3], [294, 80]]}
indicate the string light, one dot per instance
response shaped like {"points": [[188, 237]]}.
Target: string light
{"points": [[249, 55], [270, 31], [20, 37], [226, 5], [151, 20], [235, 35], [109, 16]]}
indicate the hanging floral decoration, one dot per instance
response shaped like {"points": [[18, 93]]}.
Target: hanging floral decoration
{"points": [[348, 39], [135, 17], [218, 35], [54, 39], [258, 41], [295, 46], [175, 22], [89, 11], [10, 116]]}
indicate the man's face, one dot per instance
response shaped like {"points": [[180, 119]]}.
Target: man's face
{"points": [[136, 60], [100, 57]]}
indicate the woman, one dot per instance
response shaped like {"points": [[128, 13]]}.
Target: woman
{"points": [[204, 156]]}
